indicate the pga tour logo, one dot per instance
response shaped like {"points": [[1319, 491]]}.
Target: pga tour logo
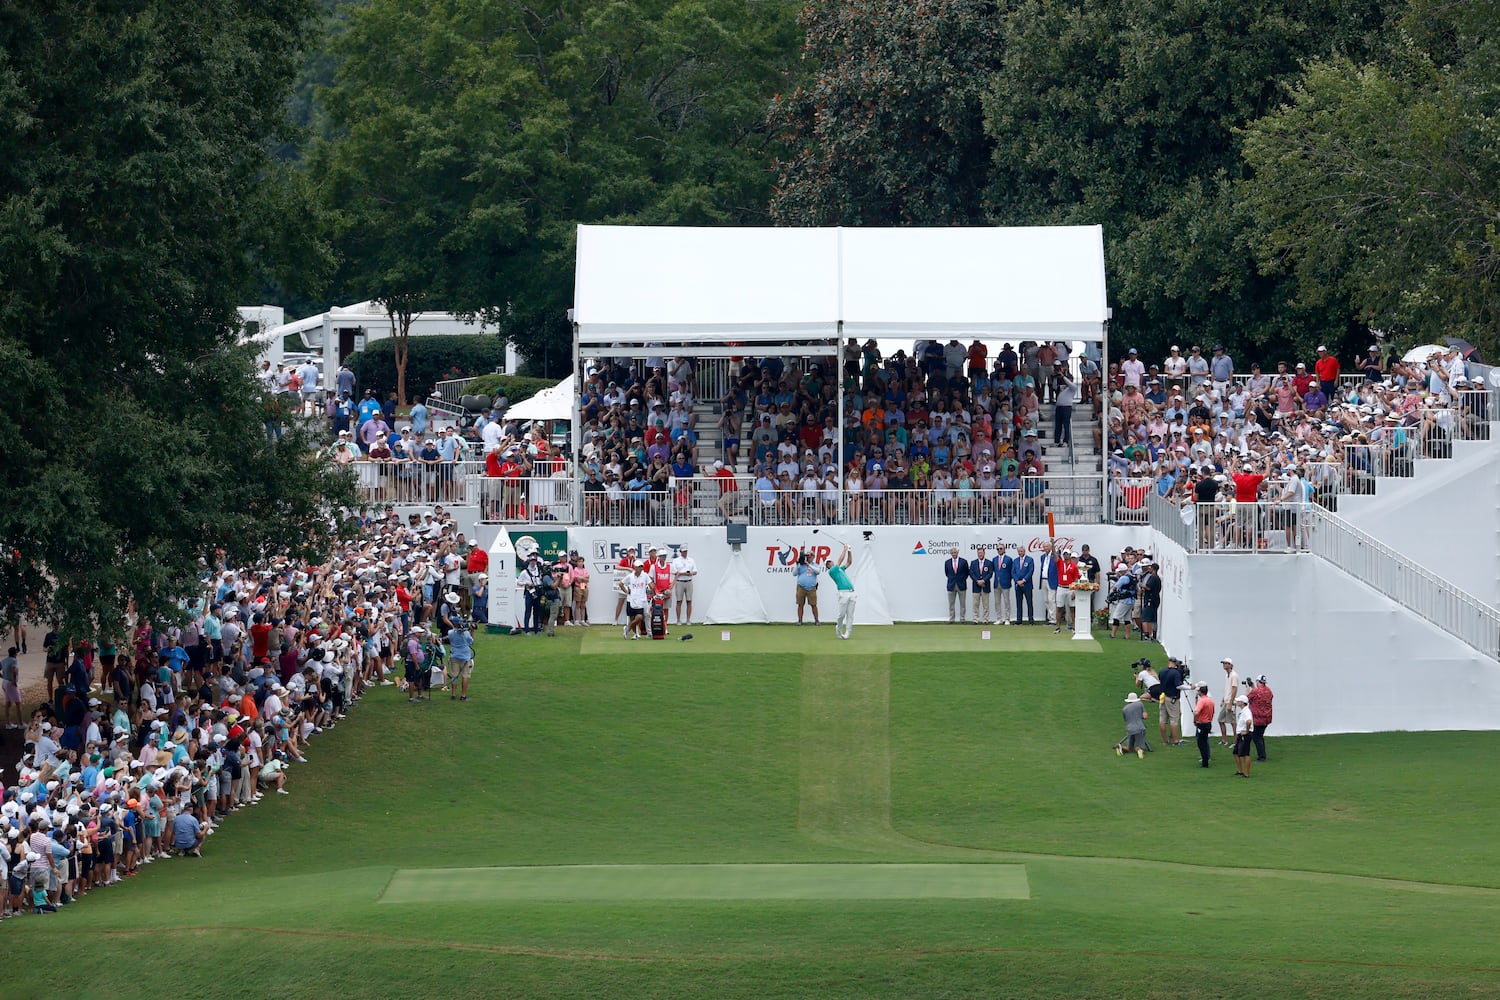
{"points": [[783, 557]]}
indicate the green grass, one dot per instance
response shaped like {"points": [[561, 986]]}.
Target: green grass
{"points": [[461, 849]]}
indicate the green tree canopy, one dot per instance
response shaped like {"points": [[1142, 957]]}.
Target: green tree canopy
{"points": [[1379, 181], [889, 129], [472, 136], [137, 197], [1126, 114]]}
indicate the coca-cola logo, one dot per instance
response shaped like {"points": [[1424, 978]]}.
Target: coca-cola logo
{"points": [[1042, 543]]}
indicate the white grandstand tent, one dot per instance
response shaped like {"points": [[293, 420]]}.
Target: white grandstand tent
{"points": [[553, 403], [725, 292], [638, 287]]}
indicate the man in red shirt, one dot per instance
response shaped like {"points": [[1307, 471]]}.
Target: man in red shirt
{"points": [[1301, 382], [260, 639], [1203, 721], [1246, 493], [1067, 575], [1327, 367]]}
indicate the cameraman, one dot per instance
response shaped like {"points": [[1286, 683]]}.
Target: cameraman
{"points": [[1170, 717], [460, 657], [531, 589]]}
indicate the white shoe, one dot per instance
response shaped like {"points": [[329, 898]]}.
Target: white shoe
{"points": [[625, 632], [282, 791]]}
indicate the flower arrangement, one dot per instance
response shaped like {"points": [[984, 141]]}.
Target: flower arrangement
{"points": [[1084, 585]]}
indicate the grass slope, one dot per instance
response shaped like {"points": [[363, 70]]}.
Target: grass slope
{"points": [[1348, 866]]}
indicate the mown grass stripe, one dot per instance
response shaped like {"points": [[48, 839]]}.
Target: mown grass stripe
{"points": [[706, 882]]}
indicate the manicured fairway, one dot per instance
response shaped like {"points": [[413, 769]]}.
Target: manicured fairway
{"points": [[784, 816]]}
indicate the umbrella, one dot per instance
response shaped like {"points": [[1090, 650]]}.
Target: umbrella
{"points": [[1419, 355], [1466, 350]]}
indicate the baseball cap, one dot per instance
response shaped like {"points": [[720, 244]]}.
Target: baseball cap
{"points": [[1227, 660]]}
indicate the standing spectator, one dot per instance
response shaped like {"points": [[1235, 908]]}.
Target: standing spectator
{"points": [[1132, 369], [1022, 568], [684, 571], [1243, 723], [1004, 580], [956, 573], [1150, 601], [1175, 368], [1067, 575], [345, 381], [530, 582], [807, 587], [10, 684], [1261, 696], [1221, 367], [982, 577], [1169, 719], [1203, 721], [1047, 582], [1227, 706], [1327, 367], [1062, 414], [1198, 370]]}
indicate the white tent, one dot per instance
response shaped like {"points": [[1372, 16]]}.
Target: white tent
{"points": [[802, 289], [552, 403]]}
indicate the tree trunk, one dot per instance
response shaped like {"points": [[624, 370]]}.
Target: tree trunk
{"points": [[400, 337]]}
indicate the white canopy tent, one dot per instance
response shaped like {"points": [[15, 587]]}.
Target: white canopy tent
{"points": [[723, 292], [643, 286]]}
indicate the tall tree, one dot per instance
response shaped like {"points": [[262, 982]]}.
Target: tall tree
{"points": [[137, 195], [1378, 183], [889, 129], [1126, 114], [472, 136]]}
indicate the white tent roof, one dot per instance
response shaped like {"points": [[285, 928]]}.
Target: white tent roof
{"points": [[679, 285], [553, 403], [1021, 283], [682, 285]]}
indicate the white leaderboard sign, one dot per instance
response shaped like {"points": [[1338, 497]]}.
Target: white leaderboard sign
{"points": [[897, 571]]}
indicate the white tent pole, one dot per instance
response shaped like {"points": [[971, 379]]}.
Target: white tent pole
{"points": [[838, 440], [577, 404], [1104, 417]]}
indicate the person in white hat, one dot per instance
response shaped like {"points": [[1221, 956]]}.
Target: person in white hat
{"points": [[1134, 713], [1243, 724], [1226, 706]]}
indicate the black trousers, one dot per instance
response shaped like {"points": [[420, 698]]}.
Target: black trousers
{"points": [[1023, 598], [1203, 731], [1258, 736]]}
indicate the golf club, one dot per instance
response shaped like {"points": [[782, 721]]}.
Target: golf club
{"points": [[830, 534]]}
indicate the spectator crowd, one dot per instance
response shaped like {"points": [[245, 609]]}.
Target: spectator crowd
{"points": [[154, 733]]}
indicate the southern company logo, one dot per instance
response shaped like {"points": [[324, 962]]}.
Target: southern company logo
{"points": [[918, 550]]}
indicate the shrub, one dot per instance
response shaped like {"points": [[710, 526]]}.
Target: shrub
{"points": [[517, 387], [431, 360]]}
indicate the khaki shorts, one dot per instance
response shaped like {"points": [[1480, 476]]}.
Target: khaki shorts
{"points": [[1226, 714], [683, 590], [1171, 711], [460, 668], [1064, 597], [807, 598]]}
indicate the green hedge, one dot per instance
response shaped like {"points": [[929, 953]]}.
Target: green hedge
{"points": [[517, 387], [431, 360]]}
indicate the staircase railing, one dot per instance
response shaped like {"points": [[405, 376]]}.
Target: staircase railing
{"points": [[1410, 585]]}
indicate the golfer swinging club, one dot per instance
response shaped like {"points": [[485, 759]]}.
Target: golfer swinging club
{"points": [[836, 570]]}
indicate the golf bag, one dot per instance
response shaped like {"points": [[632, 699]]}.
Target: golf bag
{"points": [[659, 617]]}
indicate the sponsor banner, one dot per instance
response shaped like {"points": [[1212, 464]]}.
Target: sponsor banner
{"points": [[907, 559]]}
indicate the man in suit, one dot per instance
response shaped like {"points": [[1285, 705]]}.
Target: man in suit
{"points": [[1046, 581], [981, 577], [956, 570], [1021, 570], [1004, 566]]}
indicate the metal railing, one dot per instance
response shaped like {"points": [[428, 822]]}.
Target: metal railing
{"points": [[414, 482], [1231, 526], [451, 389], [1415, 588]]}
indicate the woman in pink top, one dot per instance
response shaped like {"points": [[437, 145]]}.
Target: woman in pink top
{"points": [[579, 574]]}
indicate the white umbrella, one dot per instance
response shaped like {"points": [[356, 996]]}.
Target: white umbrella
{"points": [[1419, 355]]}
